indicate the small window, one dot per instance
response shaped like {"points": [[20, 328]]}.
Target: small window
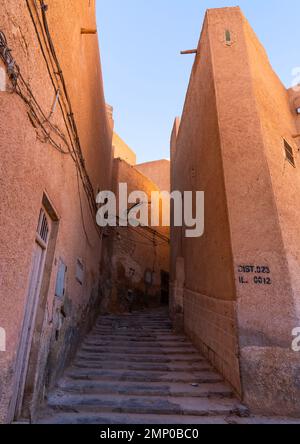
{"points": [[80, 271], [289, 153], [228, 37], [43, 227], [298, 110]]}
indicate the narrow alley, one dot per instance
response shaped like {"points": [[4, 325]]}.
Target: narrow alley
{"points": [[149, 274], [132, 369]]}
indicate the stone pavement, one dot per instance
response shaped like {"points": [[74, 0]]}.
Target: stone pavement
{"points": [[132, 369]]}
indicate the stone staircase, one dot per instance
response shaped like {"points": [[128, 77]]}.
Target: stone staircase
{"points": [[132, 369]]}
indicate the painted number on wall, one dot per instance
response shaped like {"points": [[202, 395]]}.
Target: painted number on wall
{"points": [[256, 274]]}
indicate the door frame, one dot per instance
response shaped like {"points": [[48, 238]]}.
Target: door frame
{"points": [[31, 308]]}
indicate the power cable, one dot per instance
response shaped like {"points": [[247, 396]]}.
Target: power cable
{"points": [[36, 114]]}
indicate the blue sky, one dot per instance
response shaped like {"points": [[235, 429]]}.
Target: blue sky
{"points": [[145, 77]]}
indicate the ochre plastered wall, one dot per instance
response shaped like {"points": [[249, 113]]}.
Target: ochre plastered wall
{"points": [[259, 199], [270, 358], [131, 254], [30, 168], [122, 150], [209, 300], [158, 171]]}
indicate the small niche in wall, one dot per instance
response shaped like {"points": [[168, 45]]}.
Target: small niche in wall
{"points": [[228, 37]]}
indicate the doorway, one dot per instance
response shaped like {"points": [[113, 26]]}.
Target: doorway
{"points": [[165, 287], [44, 247]]}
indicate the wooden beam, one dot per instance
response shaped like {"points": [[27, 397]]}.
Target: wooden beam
{"points": [[88, 31], [189, 51]]}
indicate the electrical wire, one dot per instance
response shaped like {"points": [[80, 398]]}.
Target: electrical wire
{"points": [[129, 239], [35, 112], [21, 87], [81, 210], [56, 75], [44, 9], [146, 231], [39, 119], [80, 162]]}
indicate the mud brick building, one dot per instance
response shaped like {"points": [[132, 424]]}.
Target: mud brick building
{"points": [[136, 260], [56, 153], [238, 286], [70, 350]]}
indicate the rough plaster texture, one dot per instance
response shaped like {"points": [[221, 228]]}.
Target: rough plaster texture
{"points": [[130, 254], [123, 151], [209, 296], [240, 319], [277, 121], [128, 378], [29, 168], [158, 171]]}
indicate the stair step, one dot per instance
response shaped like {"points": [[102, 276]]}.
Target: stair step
{"points": [[124, 343], [157, 405], [136, 324], [133, 350], [137, 339], [135, 319], [128, 419], [133, 323], [145, 389], [145, 358], [136, 331], [148, 316], [137, 335], [132, 366], [123, 375], [133, 369]]}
